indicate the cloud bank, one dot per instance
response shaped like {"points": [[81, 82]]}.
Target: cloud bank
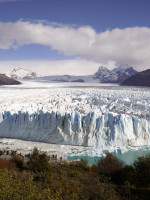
{"points": [[129, 45]]}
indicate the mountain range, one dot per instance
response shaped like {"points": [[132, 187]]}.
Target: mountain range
{"points": [[103, 75]]}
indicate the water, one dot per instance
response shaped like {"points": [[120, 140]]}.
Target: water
{"points": [[127, 157]]}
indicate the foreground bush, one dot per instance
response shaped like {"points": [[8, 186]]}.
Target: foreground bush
{"points": [[22, 187], [142, 170], [109, 165], [109, 179]]}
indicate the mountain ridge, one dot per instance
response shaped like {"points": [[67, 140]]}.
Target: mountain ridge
{"points": [[103, 75]]}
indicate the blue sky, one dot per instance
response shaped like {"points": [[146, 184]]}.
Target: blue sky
{"points": [[87, 22]]}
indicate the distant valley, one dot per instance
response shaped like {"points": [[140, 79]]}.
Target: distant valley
{"points": [[103, 75]]}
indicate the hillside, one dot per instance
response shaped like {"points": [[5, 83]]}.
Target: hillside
{"points": [[5, 80], [139, 79]]}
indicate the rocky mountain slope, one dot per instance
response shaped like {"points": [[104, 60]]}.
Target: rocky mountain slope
{"points": [[5, 80], [20, 73], [117, 75], [139, 79]]}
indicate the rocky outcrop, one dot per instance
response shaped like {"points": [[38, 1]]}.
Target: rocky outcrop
{"points": [[139, 79], [5, 80]]}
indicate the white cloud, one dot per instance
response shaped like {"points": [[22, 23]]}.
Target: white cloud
{"points": [[129, 45]]}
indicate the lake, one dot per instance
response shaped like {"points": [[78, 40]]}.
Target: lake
{"points": [[127, 157]]}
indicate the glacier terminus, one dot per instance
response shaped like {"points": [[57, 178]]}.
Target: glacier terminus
{"points": [[99, 116]]}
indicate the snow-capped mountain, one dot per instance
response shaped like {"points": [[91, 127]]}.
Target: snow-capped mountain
{"points": [[103, 75], [117, 75], [20, 73]]}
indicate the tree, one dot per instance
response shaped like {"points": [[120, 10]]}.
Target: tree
{"points": [[109, 165], [38, 162], [142, 170]]}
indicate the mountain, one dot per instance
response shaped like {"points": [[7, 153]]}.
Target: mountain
{"points": [[103, 75], [139, 79], [117, 75], [102, 72], [5, 80], [20, 73]]}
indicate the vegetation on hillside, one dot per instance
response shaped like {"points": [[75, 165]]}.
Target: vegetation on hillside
{"points": [[108, 179]]}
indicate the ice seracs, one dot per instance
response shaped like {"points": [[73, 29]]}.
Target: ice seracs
{"points": [[92, 129], [101, 118]]}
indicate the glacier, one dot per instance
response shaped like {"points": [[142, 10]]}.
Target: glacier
{"points": [[91, 130], [99, 117]]}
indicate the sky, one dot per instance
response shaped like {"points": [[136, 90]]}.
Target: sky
{"points": [[74, 36]]}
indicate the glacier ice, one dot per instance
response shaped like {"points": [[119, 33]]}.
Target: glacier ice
{"points": [[92, 129], [100, 117]]}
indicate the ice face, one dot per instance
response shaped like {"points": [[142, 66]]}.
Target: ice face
{"points": [[96, 117], [92, 129]]}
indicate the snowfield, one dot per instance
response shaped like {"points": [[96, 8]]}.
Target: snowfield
{"points": [[97, 116]]}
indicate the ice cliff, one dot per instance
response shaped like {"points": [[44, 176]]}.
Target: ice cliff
{"points": [[97, 116], [92, 129]]}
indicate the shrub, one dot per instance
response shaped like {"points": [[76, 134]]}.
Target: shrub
{"points": [[83, 164], [38, 162], [19, 161], [22, 187], [7, 164], [109, 165], [142, 170]]}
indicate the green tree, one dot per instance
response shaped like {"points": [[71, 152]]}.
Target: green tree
{"points": [[38, 162]]}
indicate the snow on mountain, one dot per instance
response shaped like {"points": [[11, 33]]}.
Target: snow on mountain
{"points": [[101, 117], [20, 73], [103, 75], [117, 75]]}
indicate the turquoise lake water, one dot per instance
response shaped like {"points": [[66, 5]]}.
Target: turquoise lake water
{"points": [[127, 157]]}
